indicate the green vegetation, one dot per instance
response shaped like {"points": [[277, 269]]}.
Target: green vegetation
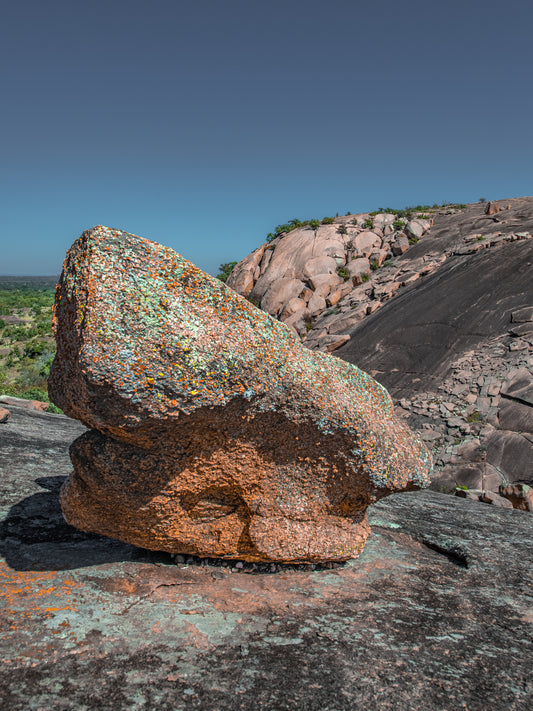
{"points": [[342, 230], [413, 240], [374, 266], [365, 277], [369, 223], [480, 238], [343, 273], [328, 220], [422, 211], [225, 271], [291, 225], [474, 416], [27, 345], [398, 225]]}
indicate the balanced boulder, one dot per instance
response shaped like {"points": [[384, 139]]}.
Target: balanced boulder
{"points": [[213, 431]]}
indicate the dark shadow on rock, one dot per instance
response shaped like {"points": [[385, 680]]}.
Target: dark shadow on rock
{"points": [[35, 536]]}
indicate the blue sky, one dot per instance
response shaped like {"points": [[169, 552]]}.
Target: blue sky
{"points": [[204, 124]]}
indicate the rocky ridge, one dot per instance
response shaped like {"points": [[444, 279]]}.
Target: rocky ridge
{"points": [[453, 371], [322, 282]]}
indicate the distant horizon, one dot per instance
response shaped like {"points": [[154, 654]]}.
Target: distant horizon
{"points": [[473, 202]]}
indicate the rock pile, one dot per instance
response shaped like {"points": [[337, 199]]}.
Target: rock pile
{"points": [[479, 422], [214, 432], [297, 276]]}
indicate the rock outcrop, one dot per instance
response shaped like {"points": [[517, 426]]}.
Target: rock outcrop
{"points": [[446, 324], [297, 276], [214, 431], [434, 614]]}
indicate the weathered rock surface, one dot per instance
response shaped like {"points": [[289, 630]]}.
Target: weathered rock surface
{"points": [[215, 432], [434, 614]]}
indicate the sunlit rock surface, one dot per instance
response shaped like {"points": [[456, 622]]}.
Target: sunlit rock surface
{"points": [[214, 431]]}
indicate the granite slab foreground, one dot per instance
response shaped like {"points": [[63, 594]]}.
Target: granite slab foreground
{"points": [[436, 613]]}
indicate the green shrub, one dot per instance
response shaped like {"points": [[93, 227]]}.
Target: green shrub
{"points": [[374, 266], [474, 416], [413, 240], [342, 230], [365, 277], [369, 223], [328, 220], [398, 225], [35, 394], [314, 224], [34, 349], [343, 273]]}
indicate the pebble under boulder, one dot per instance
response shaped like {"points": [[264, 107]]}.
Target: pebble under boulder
{"points": [[213, 431]]}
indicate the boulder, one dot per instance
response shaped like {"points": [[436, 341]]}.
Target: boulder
{"points": [[4, 415], [242, 275], [324, 284], [357, 269], [415, 229], [319, 265], [280, 293], [520, 496], [213, 431], [242, 282], [492, 208], [316, 304], [400, 245], [365, 243], [292, 307]]}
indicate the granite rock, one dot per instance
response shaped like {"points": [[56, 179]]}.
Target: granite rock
{"points": [[214, 431]]}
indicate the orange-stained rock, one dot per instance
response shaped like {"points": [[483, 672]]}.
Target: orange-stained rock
{"points": [[214, 431]]}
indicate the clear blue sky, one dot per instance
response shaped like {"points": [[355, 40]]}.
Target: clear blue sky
{"points": [[203, 124]]}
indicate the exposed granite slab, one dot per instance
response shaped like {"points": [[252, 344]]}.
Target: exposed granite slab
{"points": [[436, 612]]}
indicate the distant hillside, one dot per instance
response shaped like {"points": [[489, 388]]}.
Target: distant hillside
{"points": [[31, 282]]}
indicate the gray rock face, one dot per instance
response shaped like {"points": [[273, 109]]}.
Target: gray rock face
{"points": [[435, 614]]}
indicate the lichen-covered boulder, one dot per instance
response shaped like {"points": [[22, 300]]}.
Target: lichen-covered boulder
{"points": [[213, 430]]}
